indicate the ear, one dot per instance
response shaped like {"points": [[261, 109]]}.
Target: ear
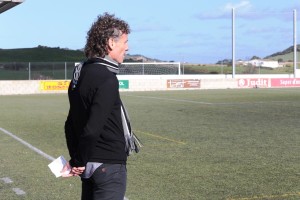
{"points": [[111, 43]]}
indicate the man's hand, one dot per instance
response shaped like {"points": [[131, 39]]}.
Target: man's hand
{"points": [[69, 171], [76, 171]]}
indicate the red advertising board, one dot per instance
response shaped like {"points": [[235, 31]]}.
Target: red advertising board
{"points": [[285, 82], [183, 83], [254, 82], [268, 82]]}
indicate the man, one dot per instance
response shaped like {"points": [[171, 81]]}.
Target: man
{"points": [[94, 130]]}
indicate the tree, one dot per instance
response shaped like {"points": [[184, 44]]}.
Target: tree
{"points": [[255, 57]]}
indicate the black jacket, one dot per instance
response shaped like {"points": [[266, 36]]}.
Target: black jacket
{"points": [[93, 128]]}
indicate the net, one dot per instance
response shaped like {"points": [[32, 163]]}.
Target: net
{"points": [[150, 68]]}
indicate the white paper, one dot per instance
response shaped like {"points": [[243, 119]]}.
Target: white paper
{"points": [[57, 165]]}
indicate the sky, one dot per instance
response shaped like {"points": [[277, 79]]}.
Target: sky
{"points": [[191, 31]]}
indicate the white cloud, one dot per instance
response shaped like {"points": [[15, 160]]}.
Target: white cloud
{"points": [[224, 12], [243, 5]]}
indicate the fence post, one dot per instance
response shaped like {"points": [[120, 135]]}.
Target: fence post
{"points": [[29, 71], [233, 43], [65, 70], [295, 43]]}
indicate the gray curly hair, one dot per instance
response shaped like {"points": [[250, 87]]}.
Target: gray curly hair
{"points": [[105, 27]]}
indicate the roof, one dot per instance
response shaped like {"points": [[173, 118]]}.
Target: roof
{"points": [[8, 4]]}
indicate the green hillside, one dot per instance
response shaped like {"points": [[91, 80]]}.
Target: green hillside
{"points": [[289, 57], [56, 54], [286, 55], [41, 54]]}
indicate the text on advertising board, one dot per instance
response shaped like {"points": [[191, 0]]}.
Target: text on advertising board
{"points": [[183, 83]]}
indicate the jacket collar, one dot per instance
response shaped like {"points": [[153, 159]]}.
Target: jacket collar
{"points": [[110, 64]]}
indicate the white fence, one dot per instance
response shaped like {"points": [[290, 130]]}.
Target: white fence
{"points": [[159, 82]]}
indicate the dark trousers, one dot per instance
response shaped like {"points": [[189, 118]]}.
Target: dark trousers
{"points": [[108, 182]]}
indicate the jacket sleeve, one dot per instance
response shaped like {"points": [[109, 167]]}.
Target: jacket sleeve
{"points": [[101, 107], [70, 136]]}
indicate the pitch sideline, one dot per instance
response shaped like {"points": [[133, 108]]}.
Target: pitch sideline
{"points": [[28, 145], [18, 191]]}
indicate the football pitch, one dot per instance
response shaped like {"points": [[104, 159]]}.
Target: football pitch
{"points": [[241, 144]]}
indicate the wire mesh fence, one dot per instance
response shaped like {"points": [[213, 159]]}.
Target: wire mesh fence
{"points": [[63, 70], [36, 70]]}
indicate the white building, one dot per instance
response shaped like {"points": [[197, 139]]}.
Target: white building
{"points": [[263, 63]]}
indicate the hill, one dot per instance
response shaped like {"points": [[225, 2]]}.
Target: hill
{"points": [[139, 58], [286, 55], [41, 54], [55, 54]]}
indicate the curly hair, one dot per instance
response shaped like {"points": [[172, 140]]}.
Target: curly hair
{"points": [[105, 27]]}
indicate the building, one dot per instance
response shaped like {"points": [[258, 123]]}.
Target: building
{"points": [[263, 63]]}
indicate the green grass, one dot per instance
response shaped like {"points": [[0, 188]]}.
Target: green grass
{"points": [[200, 144]]}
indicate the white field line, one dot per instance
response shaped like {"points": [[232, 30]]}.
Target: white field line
{"points": [[207, 103], [18, 191], [6, 180], [169, 99], [28, 145]]}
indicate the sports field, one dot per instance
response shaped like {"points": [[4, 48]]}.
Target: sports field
{"points": [[239, 144]]}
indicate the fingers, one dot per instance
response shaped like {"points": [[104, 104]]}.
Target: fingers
{"points": [[73, 172], [69, 171], [78, 170]]}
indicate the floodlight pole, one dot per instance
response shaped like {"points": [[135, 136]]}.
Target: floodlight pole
{"points": [[233, 43], [295, 43]]}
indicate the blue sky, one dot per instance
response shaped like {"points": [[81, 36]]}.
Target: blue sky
{"points": [[194, 31]]}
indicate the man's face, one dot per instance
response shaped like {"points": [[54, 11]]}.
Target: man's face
{"points": [[119, 47]]}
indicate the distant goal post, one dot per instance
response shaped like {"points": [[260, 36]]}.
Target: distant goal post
{"points": [[153, 68]]}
